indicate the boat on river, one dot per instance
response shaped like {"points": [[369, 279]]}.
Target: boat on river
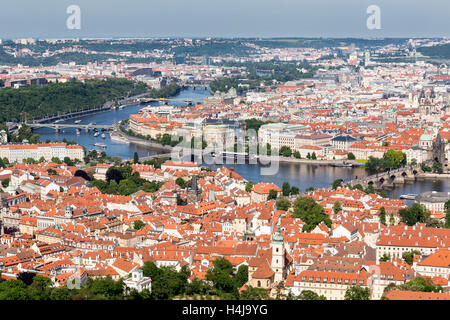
{"points": [[408, 196], [100, 145]]}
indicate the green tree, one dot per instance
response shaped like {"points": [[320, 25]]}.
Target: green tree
{"points": [[409, 256], [56, 160], [391, 219], [310, 212], [249, 186], [138, 224], [313, 156], [273, 194], [385, 257], [351, 156], [297, 155], [136, 158], [438, 168], [241, 276], [295, 190], [357, 293], [382, 215], [337, 207], [310, 295], [181, 183], [414, 214], [127, 187], [286, 189], [337, 184], [5, 182], [283, 204], [252, 293], [221, 275], [285, 151]]}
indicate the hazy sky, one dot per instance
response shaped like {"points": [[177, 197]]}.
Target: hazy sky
{"points": [[224, 18]]}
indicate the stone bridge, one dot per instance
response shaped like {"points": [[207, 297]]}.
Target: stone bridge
{"points": [[388, 179]]}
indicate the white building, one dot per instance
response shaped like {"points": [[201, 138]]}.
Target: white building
{"points": [[138, 281]]}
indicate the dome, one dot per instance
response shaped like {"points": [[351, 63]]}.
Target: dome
{"points": [[426, 137]]}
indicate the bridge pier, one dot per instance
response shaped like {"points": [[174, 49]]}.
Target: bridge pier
{"points": [[57, 129], [87, 129]]}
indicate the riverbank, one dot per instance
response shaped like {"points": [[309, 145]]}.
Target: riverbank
{"points": [[434, 176], [142, 142], [159, 146]]}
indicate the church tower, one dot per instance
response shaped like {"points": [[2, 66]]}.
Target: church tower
{"points": [[68, 212], [278, 254]]}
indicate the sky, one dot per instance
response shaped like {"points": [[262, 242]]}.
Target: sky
{"points": [[224, 18]]}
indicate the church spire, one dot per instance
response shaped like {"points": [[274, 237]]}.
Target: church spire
{"points": [[278, 237]]}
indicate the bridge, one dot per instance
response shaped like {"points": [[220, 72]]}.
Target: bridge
{"points": [[388, 179], [164, 100], [58, 126]]}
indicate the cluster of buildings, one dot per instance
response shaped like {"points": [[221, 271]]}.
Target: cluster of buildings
{"points": [[58, 225], [46, 151]]}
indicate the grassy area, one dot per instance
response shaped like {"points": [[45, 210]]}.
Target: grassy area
{"points": [[361, 161]]}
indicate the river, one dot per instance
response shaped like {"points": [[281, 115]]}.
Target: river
{"points": [[297, 174]]}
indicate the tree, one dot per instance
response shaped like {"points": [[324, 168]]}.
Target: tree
{"points": [[136, 158], [413, 162], [310, 212], [351, 156], [437, 168], [273, 194], [295, 190], [385, 257], [221, 275], [382, 215], [5, 182], [252, 293], [310, 295], [391, 219], [337, 184], [357, 293], [249, 186], [447, 214], [394, 159], [313, 156], [308, 156], [414, 214], [52, 172], [286, 189], [297, 155], [56, 160], [114, 174], [117, 160], [409, 256], [369, 189], [283, 204], [180, 182], [138, 224], [337, 207], [127, 187], [425, 168], [285, 151], [83, 174], [241, 276]]}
